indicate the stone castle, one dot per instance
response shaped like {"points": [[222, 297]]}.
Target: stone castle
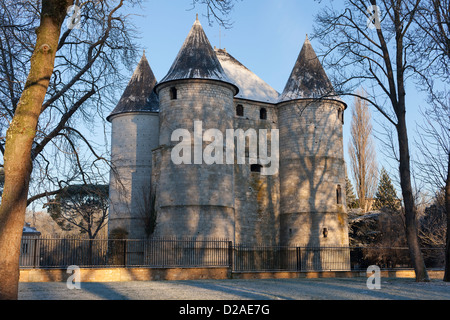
{"points": [[301, 204]]}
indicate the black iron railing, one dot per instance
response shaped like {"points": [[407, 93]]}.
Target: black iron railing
{"points": [[57, 253], [172, 252], [279, 258]]}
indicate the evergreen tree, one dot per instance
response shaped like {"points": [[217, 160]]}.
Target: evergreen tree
{"points": [[349, 194], [386, 196]]}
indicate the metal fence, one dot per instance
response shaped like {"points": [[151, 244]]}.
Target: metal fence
{"points": [[279, 258], [164, 252], [276, 258], [59, 253], [394, 257]]}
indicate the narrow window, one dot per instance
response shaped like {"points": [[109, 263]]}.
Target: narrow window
{"points": [[239, 110], [263, 114], [341, 115], [255, 168], [338, 194], [173, 93]]}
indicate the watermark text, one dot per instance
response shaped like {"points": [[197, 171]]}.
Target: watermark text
{"points": [[227, 149]]}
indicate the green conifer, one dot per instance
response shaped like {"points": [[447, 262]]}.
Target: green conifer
{"points": [[350, 195], [386, 196]]}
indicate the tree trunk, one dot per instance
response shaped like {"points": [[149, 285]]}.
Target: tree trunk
{"points": [[447, 208], [19, 140], [411, 226]]}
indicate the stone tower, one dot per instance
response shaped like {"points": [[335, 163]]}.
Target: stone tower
{"points": [[195, 199], [162, 131], [312, 167], [135, 132], [256, 196]]}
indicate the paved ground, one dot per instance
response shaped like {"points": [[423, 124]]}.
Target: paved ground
{"points": [[273, 289]]}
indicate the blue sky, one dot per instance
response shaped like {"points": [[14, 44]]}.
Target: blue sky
{"points": [[266, 36]]}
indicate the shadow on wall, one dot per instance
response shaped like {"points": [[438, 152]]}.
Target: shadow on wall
{"points": [[195, 200], [311, 171], [134, 135], [198, 200]]}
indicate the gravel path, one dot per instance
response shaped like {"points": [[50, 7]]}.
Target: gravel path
{"points": [[272, 289]]}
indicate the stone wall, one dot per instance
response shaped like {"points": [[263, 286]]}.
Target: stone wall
{"points": [[194, 200], [256, 196], [134, 135], [292, 207], [158, 274], [312, 170], [124, 274]]}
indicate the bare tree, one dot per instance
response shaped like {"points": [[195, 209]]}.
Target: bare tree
{"points": [[147, 211], [84, 78], [432, 56], [368, 44], [432, 226], [56, 78], [432, 42], [433, 143], [434, 161], [217, 10], [83, 207], [19, 141], [40, 102], [362, 153]]}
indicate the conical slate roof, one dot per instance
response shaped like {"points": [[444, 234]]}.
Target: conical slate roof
{"points": [[251, 87], [196, 59], [308, 78], [139, 95]]}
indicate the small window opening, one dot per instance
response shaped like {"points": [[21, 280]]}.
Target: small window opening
{"points": [[173, 93], [341, 115], [255, 168], [263, 114], [239, 110], [339, 194]]}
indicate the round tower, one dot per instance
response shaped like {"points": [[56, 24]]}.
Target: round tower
{"points": [[195, 197], [312, 167], [134, 134]]}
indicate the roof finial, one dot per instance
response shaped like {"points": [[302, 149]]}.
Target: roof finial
{"points": [[307, 39], [197, 22]]}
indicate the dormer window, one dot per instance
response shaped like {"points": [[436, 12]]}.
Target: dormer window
{"points": [[173, 93], [263, 114], [239, 110]]}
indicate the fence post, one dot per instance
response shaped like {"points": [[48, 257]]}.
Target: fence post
{"points": [[35, 253], [124, 253], [230, 254], [299, 259]]}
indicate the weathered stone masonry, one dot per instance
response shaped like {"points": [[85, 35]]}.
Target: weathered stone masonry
{"points": [[303, 204]]}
